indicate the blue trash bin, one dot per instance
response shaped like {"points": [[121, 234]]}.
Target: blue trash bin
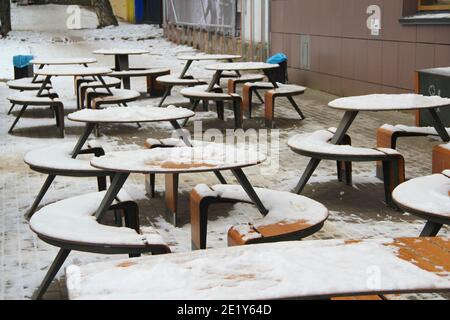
{"points": [[22, 66], [279, 74]]}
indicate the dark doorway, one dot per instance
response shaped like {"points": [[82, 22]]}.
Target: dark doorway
{"points": [[153, 12]]}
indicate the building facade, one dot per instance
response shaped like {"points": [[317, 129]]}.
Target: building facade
{"points": [[349, 47], [139, 11]]}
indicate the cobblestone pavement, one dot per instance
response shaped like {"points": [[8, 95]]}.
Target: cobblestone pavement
{"points": [[356, 212]]}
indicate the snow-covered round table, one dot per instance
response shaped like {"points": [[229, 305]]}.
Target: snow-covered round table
{"points": [[381, 102], [201, 157], [72, 71], [428, 198], [42, 62], [204, 57], [131, 114], [121, 59]]}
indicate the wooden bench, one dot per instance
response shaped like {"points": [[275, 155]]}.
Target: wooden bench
{"points": [[319, 269], [174, 80], [69, 224], [57, 160], [95, 98], [317, 146], [153, 88], [199, 93], [28, 98], [290, 216], [441, 158], [83, 85], [428, 198], [171, 179], [247, 95], [25, 84], [285, 90], [243, 79], [387, 136]]}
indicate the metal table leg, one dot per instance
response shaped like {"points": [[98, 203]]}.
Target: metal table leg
{"points": [[82, 139], [165, 95], [186, 141], [40, 196], [181, 132], [186, 68], [102, 81], [122, 63], [440, 128], [431, 229], [214, 80], [310, 168], [116, 184], [44, 83], [243, 181], [342, 129]]}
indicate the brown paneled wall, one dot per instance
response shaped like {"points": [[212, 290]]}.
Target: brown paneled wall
{"points": [[345, 59]]}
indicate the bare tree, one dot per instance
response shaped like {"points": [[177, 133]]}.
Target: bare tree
{"points": [[5, 17], [105, 13]]}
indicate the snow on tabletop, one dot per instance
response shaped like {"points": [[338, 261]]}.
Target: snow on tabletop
{"points": [[30, 96], [202, 157], [71, 71], [319, 142], [284, 207], [208, 57], [242, 66], [200, 91], [413, 129], [62, 61], [121, 51], [381, 102], [72, 220], [263, 271], [58, 157], [131, 114], [430, 194], [285, 88]]}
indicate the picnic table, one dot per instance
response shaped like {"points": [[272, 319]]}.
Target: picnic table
{"points": [[241, 66], [428, 198], [56, 71], [376, 103], [184, 80], [42, 62], [318, 269], [122, 60], [208, 157], [122, 115], [204, 57]]}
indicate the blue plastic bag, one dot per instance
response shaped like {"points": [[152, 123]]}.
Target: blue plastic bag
{"points": [[278, 58], [22, 61]]}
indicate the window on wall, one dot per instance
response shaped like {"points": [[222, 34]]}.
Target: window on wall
{"points": [[426, 5]]}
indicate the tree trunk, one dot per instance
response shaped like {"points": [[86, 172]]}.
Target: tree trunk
{"points": [[5, 17], [105, 13]]}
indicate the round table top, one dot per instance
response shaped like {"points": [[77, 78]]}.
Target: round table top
{"points": [[63, 61], [72, 71], [117, 51], [427, 196], [202, 157], [130, 114], [388, 102], [200, 57], [241, 66]]}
